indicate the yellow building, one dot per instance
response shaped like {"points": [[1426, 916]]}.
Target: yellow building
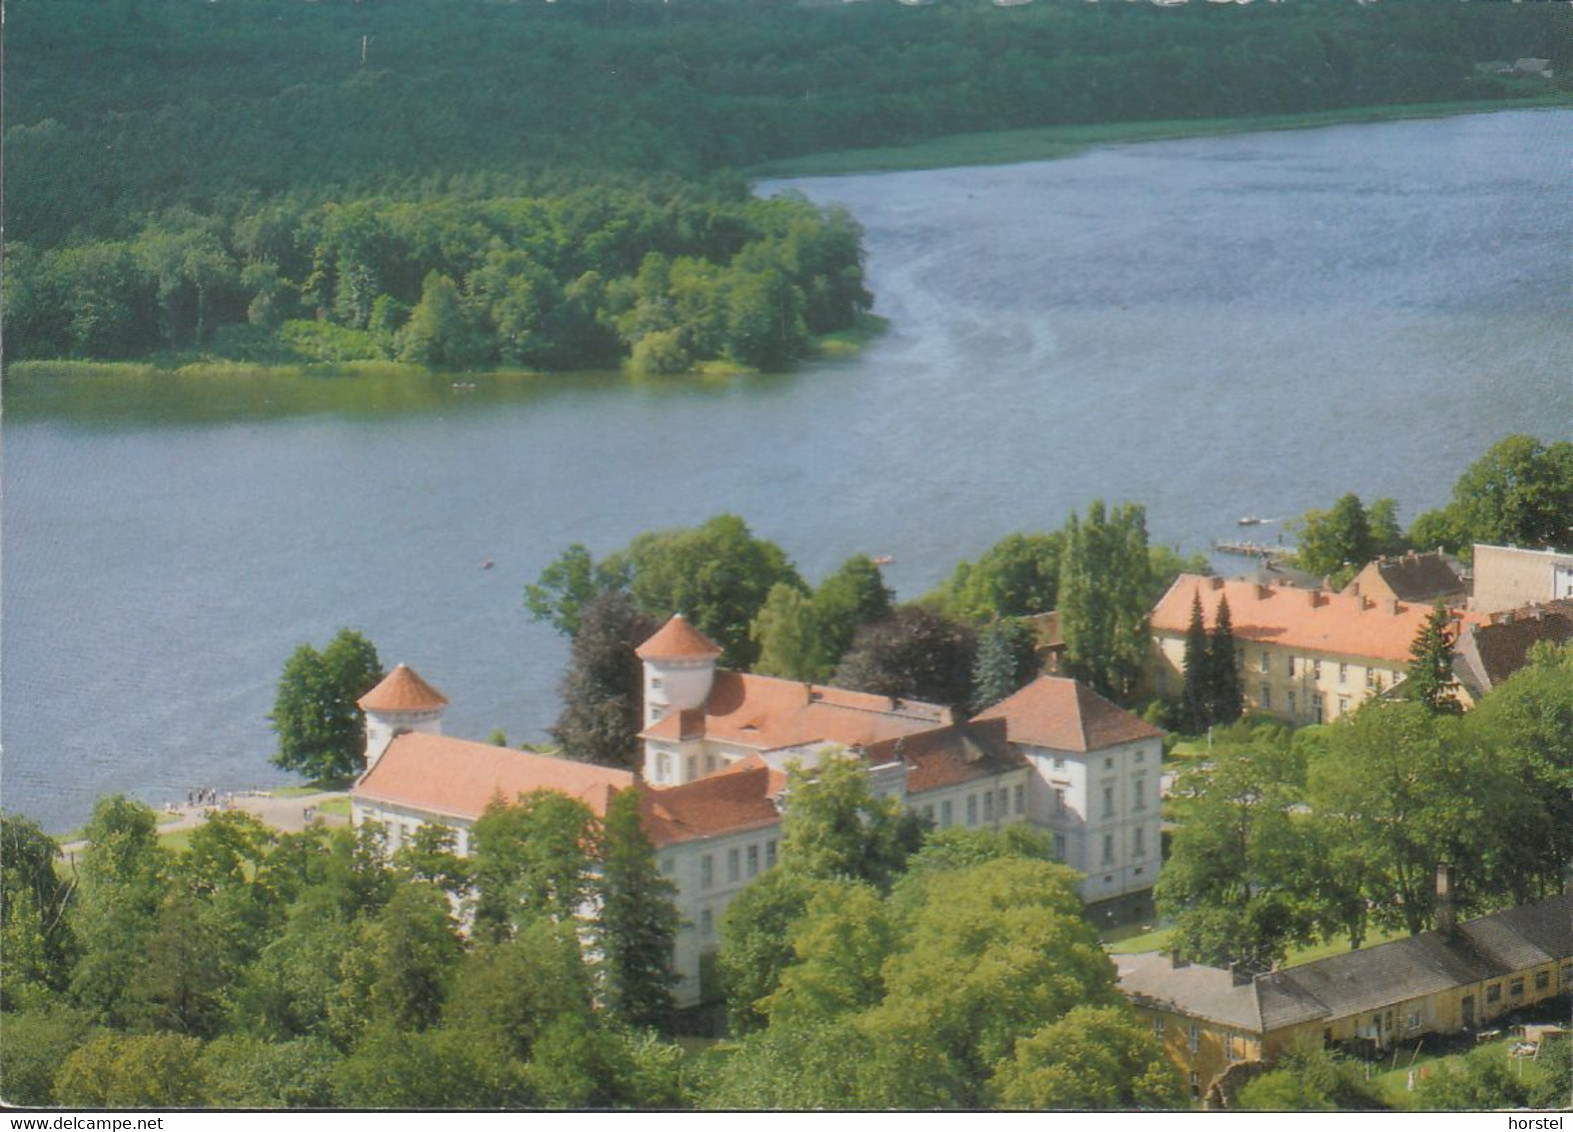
{"points": [[1305, 656], [1436, 982]]}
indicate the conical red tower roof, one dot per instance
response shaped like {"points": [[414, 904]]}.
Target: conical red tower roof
{"points": [[678, 640], [403, 690]]}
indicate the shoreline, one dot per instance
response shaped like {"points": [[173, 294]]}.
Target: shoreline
{"points": [[836, 344], [1052, 143]]}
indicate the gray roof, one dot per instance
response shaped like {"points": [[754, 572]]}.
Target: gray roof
{"points": [[1205, 992], [1357, 982]]}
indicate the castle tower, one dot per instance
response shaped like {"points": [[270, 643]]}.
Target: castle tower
{"points": [[679, 667], [402, 702]]}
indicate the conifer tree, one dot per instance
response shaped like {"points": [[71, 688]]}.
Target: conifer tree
{"points": [[1007, 660], [1430, 676], [638, 921], [1197, 705], [1224, 699]]}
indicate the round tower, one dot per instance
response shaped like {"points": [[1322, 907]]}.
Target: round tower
{"points": [[402, 702], [679, 668]]}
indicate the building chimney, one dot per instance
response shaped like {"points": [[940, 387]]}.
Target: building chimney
{"points": [[1446, 915], [1312, 598], [1391, 605], [1353, 588]]}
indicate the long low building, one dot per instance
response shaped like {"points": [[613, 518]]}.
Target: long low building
{"points": [[717, 748], [1436, 982]]}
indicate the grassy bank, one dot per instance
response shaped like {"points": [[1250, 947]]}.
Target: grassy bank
{"points": [[841, 343], [1007, 147]]}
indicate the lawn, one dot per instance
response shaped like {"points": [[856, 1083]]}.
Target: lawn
{"points": [[1134, 938], [1435, 1056]]}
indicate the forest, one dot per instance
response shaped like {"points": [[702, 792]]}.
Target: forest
{"points": [[482, 184]]}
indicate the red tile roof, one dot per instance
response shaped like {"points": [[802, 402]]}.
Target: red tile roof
{"points": [[949, 755], [1066, 716], [1342, 624], [735, 799], [403, 690], [458, 778], [767, 714], [678, 640]]}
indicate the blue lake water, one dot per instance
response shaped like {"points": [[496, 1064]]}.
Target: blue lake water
{"points": [[1218, 327]]}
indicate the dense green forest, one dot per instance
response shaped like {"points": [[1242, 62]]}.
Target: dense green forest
{"points": [[543, 185]]}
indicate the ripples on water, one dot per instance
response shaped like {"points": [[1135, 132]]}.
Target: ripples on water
{"points": [[1214, 327]]}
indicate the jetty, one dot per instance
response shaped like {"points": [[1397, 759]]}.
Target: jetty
{"points": [[1253, 550]]}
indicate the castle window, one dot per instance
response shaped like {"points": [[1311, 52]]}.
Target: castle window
{"points": [[655, 683], [706, 922], [945, 814], [1267, 696], [988, 805], [1289, 661], [1413, 1021], [1157, 1025], [706, 871], [1021, 799], [1515, 989], [733, 858], [1494, 992], [1108, 849], [1343, 675], [1291, 703], [1059, 764], [693, 768], [972, 809], [753, 860], [1059, 846], [1267, 662], [1138, 793], [1196, 1040], [1139, 842], [663, 766], [1542, 980], [1316, 669], [770, 854], [1108, 801], [1059, 799]]}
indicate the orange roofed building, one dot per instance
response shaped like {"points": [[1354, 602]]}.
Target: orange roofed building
{"points": [[717, 746], [1306, 656]]}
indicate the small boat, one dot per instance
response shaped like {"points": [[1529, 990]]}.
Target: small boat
{"points": [[487, 564], [883, 560], [1251, 521]]}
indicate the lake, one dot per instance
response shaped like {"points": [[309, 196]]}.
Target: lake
{"points": [[1219, 327]]}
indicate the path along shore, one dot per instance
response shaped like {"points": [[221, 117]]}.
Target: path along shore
{"points": [[285, 814]]}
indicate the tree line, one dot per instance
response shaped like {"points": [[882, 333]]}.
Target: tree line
{"points": [[281, 970], [660, 274], [1332, 832], [266, 970], [1519, 493], [968, 644], [369, 99]]}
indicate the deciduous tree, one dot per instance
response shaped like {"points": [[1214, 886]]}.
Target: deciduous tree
{"points": [[916, 654], [1105, 597], [322, 733], [603, 689]]}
